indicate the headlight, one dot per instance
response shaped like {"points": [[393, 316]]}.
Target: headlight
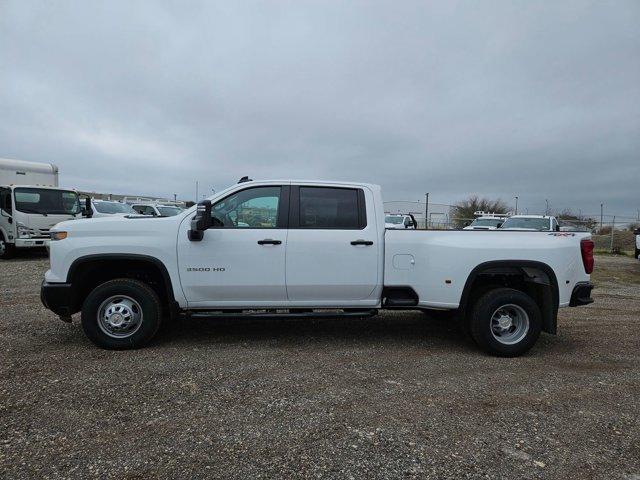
{"points": [[58, 235], [23, 231]]}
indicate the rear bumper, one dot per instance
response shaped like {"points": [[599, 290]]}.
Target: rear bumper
{"points": [[581, 294], [57, 297]]}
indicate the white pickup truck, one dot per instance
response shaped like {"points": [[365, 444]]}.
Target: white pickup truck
{"points": [[311, 249]]}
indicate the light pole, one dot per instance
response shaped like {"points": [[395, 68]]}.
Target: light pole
{"points": [[516, 204], [546, 211], [601, 214], [426, 212]]}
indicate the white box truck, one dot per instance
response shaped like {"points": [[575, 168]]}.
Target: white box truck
{"points": [[31, 204]]}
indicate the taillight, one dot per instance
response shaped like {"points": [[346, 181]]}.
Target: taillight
{"points": [[586, 249]]}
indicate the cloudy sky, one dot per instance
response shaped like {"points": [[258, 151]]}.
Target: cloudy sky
{"points": [[535, 99]]}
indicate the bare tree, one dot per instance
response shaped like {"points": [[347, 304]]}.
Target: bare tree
{"points": [[462, 212], [568, 218]]}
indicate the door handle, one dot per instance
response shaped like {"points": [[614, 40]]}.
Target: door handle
{"points": [[361, 242], [269, 241]]}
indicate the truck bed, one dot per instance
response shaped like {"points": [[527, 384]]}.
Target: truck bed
{"points": [[437, 263]]}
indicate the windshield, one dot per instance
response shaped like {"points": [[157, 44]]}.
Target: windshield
{"points": [[530, 223], [394, 220], [169, 211], [113, 207], [46, 201], [487, 222]]}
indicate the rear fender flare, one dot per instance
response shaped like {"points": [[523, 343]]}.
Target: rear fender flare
{"points": [[549, 314]]}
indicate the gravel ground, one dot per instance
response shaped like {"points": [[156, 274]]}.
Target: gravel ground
{"points": [[395, 396]]}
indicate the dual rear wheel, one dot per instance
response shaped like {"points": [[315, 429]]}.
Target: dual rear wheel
{"points": [[505, 322]]}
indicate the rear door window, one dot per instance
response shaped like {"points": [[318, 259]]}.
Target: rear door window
{"points": [[326, 208]]}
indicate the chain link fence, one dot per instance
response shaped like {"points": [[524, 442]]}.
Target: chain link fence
{"points": [[611, 233]]}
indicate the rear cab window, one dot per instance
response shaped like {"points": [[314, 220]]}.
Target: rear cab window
{"points": [[328, 208]]}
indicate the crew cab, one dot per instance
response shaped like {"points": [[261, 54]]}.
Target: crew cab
{"points": [[310, 249]]}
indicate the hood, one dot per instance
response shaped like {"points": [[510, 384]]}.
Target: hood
{"points": [[520, 229], [118, 225], [100, 215]]}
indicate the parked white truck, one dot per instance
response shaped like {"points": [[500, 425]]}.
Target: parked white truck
{"points": [[30, 204], [275, 248]]}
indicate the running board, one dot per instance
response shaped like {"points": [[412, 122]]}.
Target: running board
{"points": [[399, 297], [268, 314], [400, 302]]}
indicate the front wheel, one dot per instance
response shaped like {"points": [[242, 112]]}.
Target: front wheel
{"points": [[6, 249], [505, 322], [121, 314]]}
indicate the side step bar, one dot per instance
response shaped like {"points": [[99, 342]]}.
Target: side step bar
{"points": [[399, 297], [271, 314]]}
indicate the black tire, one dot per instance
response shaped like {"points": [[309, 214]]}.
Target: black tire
{"points": [[7, 250], [149, 307], [481, 322]]}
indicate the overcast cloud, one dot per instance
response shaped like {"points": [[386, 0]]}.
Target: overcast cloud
{"points": [[539, 100]]}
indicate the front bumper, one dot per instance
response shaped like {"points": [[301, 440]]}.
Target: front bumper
{"points": [[58, 297], [32, 242], [581, 294]]}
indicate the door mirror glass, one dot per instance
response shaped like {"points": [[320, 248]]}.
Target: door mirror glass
{"points": [[201, 221]]}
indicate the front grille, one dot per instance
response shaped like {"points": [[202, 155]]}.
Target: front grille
{"points": [[39, 233]]}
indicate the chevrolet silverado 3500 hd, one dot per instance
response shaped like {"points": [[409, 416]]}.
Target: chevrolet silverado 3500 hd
{"points": [[299, 248]]}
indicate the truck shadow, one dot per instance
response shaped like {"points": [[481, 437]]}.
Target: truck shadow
{"points": [[388, 328]]}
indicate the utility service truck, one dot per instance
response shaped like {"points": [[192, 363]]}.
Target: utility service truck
{"points": [[30, 204], [308, 249]]}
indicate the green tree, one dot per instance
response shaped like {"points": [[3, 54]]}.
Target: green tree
{"points": [[463, 212]]}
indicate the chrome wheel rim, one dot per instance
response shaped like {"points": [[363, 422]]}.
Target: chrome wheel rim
{"points": [[120, 316], [2, 246], [509, 324]]}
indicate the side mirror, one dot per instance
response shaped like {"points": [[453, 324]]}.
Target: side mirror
{"points": [[88, 211], [201, 221]]}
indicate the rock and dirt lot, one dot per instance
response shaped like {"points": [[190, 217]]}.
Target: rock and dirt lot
{"points": [[400, 395]]}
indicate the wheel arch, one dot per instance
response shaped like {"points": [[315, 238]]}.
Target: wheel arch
{"points": [[539, 278], [88, 271]]}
